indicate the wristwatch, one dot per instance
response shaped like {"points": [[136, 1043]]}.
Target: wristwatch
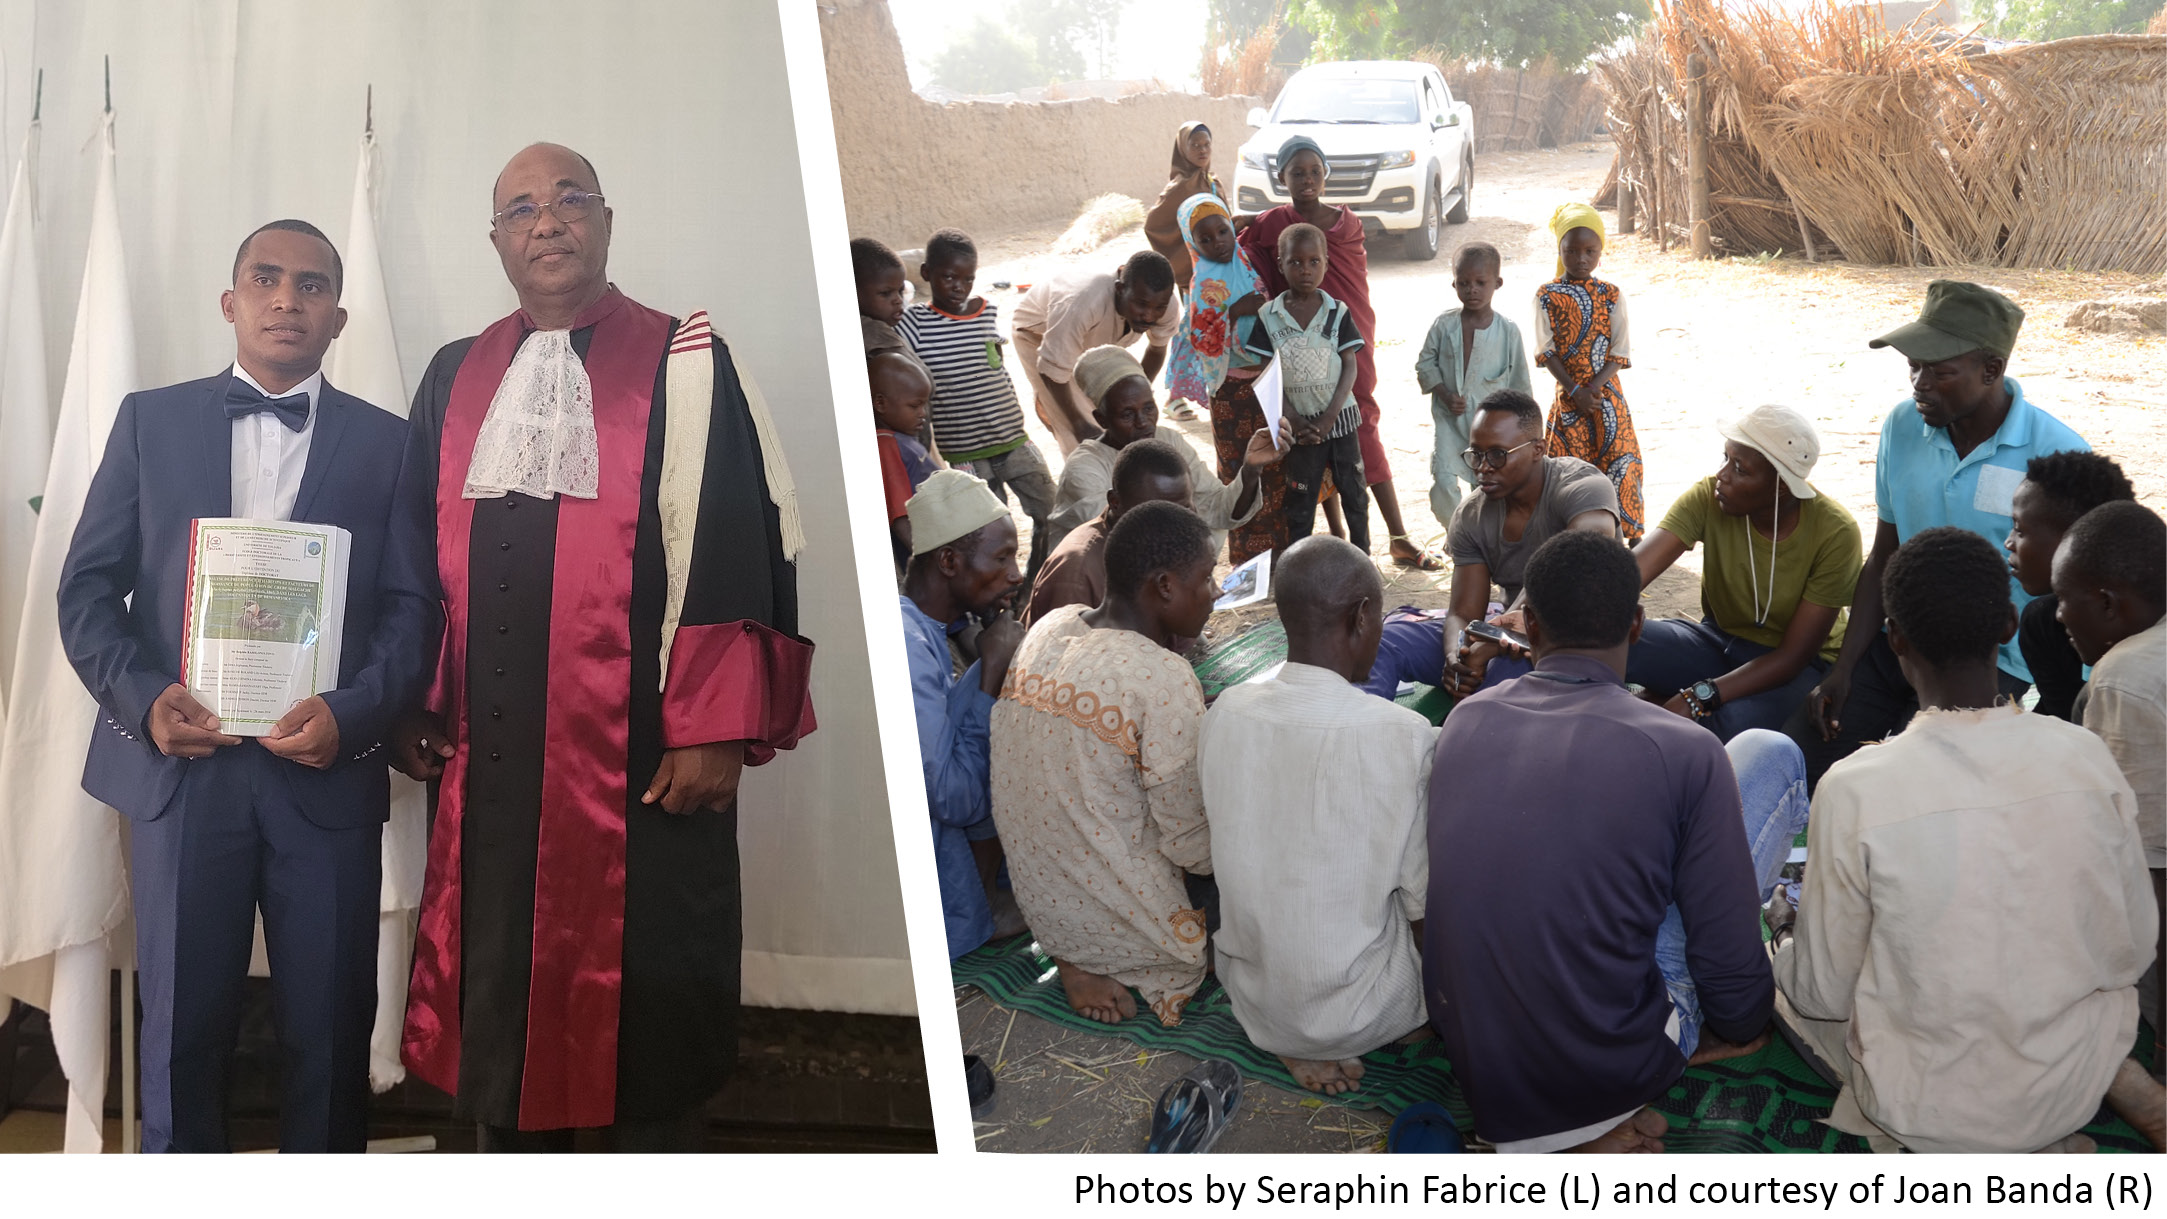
{"points": [[1708, 696]]}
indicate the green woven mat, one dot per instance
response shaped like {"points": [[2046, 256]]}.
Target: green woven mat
{"points": [[1244, 656], [1767, 1102], [1261, 646]]}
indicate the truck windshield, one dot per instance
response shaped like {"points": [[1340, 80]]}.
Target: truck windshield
{"points": [[1328, 99]]}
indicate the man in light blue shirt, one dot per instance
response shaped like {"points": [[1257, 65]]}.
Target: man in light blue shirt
{"points": [[1951, 454], [963, 561]]}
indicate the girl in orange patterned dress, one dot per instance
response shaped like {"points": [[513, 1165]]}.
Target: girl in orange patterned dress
{"points": [[1580, 333]]}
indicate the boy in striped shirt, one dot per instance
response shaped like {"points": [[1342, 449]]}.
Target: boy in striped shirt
{"points": [[977, 417]]}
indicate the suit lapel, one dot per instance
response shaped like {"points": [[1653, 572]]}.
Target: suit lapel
{"points": [[331, 414], [217, 433]]}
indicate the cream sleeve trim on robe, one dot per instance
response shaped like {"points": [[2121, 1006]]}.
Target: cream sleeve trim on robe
{"points": [[689, 400]]}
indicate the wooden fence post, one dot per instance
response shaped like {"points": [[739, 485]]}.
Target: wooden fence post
{"points": [[1696, 154], [1625, 198]]}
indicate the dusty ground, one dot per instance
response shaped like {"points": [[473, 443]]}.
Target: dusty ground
{"points": [[1709, 339]]}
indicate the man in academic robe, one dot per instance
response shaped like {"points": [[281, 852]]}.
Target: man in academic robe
{"points": [[616, 537], [290, 822]]}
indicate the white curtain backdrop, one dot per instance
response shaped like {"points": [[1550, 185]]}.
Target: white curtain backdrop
{"points": [[234, 112]]}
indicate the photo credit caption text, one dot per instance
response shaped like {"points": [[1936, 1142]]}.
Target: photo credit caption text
{"points": [[2107, 1190]]}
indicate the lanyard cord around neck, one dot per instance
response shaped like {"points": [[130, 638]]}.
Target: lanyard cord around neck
{"points": [[1775, 526]]}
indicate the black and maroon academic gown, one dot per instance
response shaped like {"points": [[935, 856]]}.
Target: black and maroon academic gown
{"points": [[577, 960]]}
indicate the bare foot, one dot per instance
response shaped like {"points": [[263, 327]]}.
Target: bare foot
{"points": [[2079, 1144], [1715, 1049], [1095, 996], [2140, 1100], [1641, 1133], [1326, 1076]]}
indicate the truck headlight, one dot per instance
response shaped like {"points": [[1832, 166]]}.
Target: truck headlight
{"points": [[1396, 160], [1254, 160]]}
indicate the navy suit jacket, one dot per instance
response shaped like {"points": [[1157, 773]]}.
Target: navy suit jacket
{"points": [[124, 589]]}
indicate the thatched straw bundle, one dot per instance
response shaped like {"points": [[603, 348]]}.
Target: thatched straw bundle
{"points": [[1900, 148]]}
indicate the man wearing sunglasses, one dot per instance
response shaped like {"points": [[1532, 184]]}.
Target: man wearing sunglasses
{"points": [[1523, 497], [616, 537]]}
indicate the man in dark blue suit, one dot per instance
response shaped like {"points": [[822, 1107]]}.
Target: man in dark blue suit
{"points": [[290, 822]]}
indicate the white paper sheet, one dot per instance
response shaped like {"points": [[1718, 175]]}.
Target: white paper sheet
{"points": [[1246, 585], [1272, 396]]}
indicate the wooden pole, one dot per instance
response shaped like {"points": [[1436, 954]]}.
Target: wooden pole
{"points": [[1696, 154], [1625, 199], [1805, 236], [1660, 114]]}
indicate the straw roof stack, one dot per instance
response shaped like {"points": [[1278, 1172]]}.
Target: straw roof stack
{"points": [[1904, 148]]}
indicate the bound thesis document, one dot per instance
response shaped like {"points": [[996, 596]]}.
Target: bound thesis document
{"points": [[266, 610]]}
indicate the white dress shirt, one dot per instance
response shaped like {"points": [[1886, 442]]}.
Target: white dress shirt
{"points": [[1977, 910], [268, 457], [1318, 796]]}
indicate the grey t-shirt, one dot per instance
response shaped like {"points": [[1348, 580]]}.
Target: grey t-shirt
{"points": [[1570, 487]]}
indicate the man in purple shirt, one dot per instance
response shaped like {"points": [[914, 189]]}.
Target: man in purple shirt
{"points": [[1593, 915]]}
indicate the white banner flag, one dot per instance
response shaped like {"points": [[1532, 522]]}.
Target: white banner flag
{"points": [[365, 363], [26, 411], [63, 891]]}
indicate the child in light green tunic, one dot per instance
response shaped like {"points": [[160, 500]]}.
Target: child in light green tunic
{"points": [[1470, 354]]}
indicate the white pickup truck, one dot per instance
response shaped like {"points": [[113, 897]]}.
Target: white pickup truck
{"points": [[1400, 150]]}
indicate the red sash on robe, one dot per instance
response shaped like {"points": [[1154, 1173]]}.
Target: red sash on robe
{"points": [[570, 1075]]}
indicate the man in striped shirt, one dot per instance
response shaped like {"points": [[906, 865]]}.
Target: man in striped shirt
{"points": [[977, 419]]}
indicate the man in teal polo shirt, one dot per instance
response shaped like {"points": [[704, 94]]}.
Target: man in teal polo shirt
{"points": [[1951, 454]]}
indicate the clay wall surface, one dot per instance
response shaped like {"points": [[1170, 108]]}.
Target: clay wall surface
{"points": [[910, 166]]}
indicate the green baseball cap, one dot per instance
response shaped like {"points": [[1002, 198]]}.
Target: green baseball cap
{"points": [[1957, 319]]}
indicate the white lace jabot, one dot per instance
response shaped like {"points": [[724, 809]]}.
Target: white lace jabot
{"points": [[538, 438]]}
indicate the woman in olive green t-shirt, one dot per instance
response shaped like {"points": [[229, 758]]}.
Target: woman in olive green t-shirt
{"points": [[1781, 563]]}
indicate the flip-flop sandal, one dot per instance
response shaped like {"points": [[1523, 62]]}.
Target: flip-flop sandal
{"points": [[1424, 1128], [1424, 560], [1196, 1109], [1182, 412]]}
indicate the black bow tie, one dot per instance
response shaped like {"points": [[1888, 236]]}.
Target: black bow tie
{"points": [[245, 399]]}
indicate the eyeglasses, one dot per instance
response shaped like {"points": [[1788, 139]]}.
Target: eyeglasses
{"points": [[572, 205], [1478, 459]]}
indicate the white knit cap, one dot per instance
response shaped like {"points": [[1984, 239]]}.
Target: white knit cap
{"points": [[1782, 435], [950, 504]]}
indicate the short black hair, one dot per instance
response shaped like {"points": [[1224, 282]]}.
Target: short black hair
{"points": [[2077, 482], [1947, 590], [1319, 579], [1302, 232], [1520, 406], [949, 245], [1149, 270], [1152, 538], [338, 265], [1583, 588], [869, 258], [1142, 459], [1482, 252], [2121, 543]]}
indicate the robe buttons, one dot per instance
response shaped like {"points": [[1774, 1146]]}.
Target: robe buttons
{"points": [[503, 629], [496, 713], [504, 586], [494, 756], [504, 545], [500, 670]]}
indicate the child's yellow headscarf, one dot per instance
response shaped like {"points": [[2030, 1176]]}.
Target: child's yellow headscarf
{"points": [[1574, 216]]}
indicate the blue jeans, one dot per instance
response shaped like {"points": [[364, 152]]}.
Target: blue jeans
{"points": [[1673, 654], [1772, 790], [1412, 648]]}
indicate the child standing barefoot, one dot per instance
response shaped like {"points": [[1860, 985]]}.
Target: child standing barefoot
{"points": [[1580, 336], [1471, 353]]}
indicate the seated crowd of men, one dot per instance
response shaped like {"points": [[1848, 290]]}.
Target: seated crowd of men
{"points": [[1597, 903]]}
